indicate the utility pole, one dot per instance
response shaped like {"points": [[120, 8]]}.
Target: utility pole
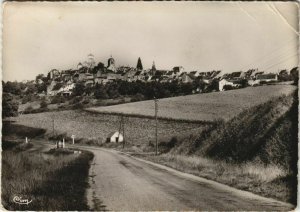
{"points": [[156, 110], [123, 122], [53, 127]]}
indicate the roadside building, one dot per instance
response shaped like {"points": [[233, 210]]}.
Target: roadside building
{"points": [[115, 137]]}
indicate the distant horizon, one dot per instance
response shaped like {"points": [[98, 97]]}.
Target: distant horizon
{"points": [[202, 36]]}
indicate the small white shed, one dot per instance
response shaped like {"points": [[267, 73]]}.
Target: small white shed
{"points": [[115, 137]]}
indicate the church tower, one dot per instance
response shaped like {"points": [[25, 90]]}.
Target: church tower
{"points": [[111, 64], [153, 67], [139, 65]]}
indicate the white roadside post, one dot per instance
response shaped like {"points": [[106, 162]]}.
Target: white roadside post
{"points": [[73, 137], [26, 140], [63, 143]]}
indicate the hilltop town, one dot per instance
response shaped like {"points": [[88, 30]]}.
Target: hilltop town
{"points": [[92, 84], [63, 82]]}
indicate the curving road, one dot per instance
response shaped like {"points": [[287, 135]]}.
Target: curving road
{"points": [[121, 182]]}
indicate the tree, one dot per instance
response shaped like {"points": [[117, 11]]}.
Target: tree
{"points": [[295, 75], [214, 86], [88, 90], [30, 89], [9, 105], [40, 76], [11, 87], [79, 89], [41, 87], [139, 65], [100, 92], [283, 75], [100, 67]]}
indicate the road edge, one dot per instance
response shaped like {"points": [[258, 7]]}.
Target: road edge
{"points": [[235, 191]]}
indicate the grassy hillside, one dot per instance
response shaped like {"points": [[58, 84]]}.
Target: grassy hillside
{"points": [[206, 107], [266, 133], [255, 151]]}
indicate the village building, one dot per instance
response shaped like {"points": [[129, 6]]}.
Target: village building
{"points": [[232, 83], [218, 75], [53, 74], [253, 82], [66, 90], [186, 78], [267, 77], [178, 69]]}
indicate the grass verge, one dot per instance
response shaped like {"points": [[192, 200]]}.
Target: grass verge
{"points": [[53, 181], [265, 180]]}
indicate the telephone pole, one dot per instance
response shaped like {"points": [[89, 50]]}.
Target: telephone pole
{"points": [[53, 127], [123, 122], [156, 110]]}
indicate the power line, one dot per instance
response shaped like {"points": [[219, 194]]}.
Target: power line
{"points": [[273, 60], [268, 68], [279, 48]]}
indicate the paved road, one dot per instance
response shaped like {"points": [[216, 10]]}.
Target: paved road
{"points": [[121, 182]]}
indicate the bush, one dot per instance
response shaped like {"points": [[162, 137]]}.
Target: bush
{"points": [[58, 137], [137, 97], [86, 101], [9, 105], [228, 87], [27, 98], [28, 109], [58, 100], [43, 104], [78, 105], [76, 100], [22, 131]]}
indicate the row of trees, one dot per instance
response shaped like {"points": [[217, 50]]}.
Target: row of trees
{"points": [[142, 89]]}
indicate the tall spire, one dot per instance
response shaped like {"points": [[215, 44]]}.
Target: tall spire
{"points": [[153, 66], [139, 65]]}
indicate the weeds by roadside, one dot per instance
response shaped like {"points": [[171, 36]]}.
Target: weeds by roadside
{"points": [[52, 181], [270, 181]]}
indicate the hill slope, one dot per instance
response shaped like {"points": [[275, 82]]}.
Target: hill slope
{"points": [[203, 107], [266, 134]]}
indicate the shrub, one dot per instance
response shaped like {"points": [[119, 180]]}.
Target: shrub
{"points": [[57, 100], [43, 104], [77, 99], [28, 109], [228, 87], [137, 97], [78, 105], [27, 98], [86, 101]]}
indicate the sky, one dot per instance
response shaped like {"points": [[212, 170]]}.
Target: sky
{"points": [[204, 36]]}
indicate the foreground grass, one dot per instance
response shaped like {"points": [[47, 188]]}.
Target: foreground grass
{"points": [[269, 181], [53, 181]]}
